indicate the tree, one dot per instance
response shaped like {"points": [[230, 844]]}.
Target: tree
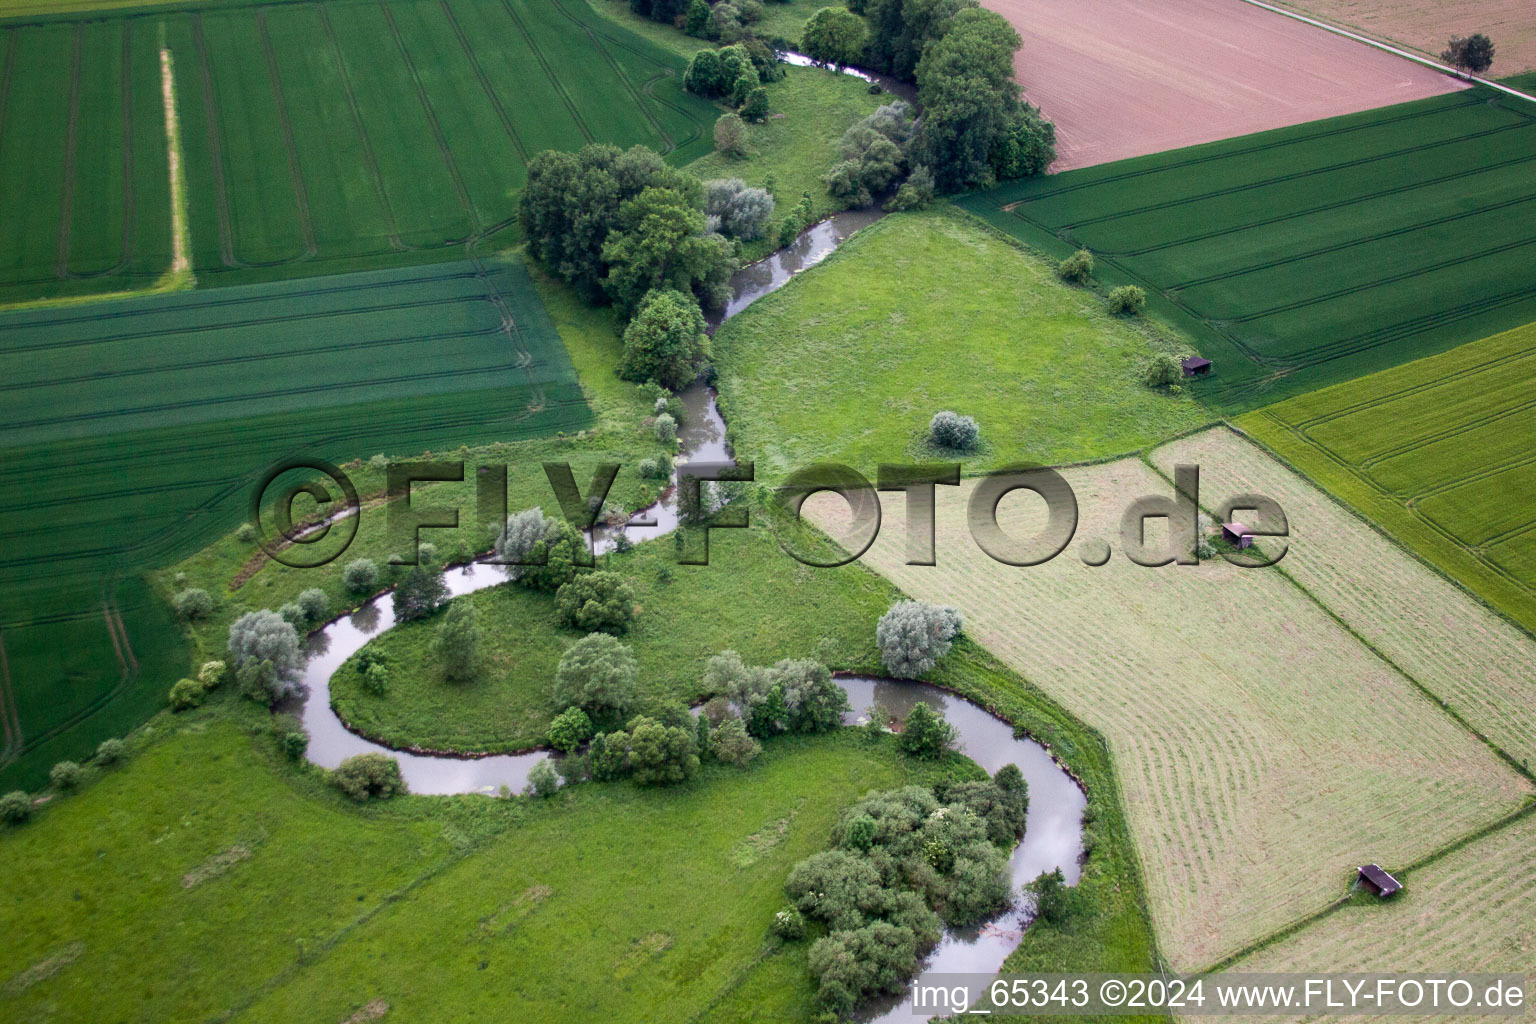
{"points": [[755, 107], [553, 559], [914, 635], [15, 807], [925, 733], [665, 342], [915, 193], [841, 889], [698, 19], [193, 603], [874, 154], [659, 242], [1162, 371], [609, 755], [262, 638], [110, 751], [65, 775], [211, 674], [812, 701], [740, 212], [542, 780], [850, 966], [1049, 895], [1026, 147], [315, 604], [714, 73], [1472, 53], [369, 777], [570, 729], [597, 602], [596, 674], [360, 576], [951, 430], [731, 135], [661, 754], [457, 644], [731, 743], [420, 593], [186, 694], [901, 30], [1127, 300], [834, 35], [519, 534], [1077, 268]]}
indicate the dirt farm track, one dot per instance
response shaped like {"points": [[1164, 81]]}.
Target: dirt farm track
{"points": [[1122, 78]]}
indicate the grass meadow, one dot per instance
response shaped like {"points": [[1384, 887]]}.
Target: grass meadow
{"points": [[923, 312], [1309, 255], [1263, 748], [317, 138], [1438, 453]]}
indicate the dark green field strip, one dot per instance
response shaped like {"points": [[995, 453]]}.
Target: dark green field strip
{"points": [[32, 152], [261, 189]]}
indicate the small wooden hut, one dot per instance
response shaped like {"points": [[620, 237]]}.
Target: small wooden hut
{"points": [[1378, 881], [1237, 535], [1196, 366]]}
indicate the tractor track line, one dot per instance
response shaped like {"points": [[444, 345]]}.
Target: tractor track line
{"points": [[300, 192], [640, 103], [71, 146], [1415, 389], [549, 72], [485, 82], [125, 88], [215, 143]]}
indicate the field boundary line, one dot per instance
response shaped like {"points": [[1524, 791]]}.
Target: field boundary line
{"points": [[432, 122], [1395, 51], [369, 157], [300, 192]]}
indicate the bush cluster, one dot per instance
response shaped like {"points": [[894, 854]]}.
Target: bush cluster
{"points": [[596, 602], [369, 777], [914, 635], [874, 155], [1077, 268], [951, 430], [1127, 300], [264, 651], [794, 695]]}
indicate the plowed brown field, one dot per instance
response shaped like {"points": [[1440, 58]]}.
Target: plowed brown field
{"points": [[1122, 78], [1425, 25]]}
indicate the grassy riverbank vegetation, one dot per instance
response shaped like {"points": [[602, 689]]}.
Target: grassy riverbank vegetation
{"points": [[928, 311]]}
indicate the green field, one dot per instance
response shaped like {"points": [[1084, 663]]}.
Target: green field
{"points": [[1309, 255], [317, 137], [923, 312], [121, 461], [1439, 453]]}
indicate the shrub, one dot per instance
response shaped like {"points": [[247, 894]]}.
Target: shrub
{"points": [[193, 603], [741, 212], [852, 965], [110, 751], [1162, 371], [596, 674], [570, 729], [369, 777], [376, 678], [789, 924], [953, 431], [1077, 268], [731, 136], [264, 638], [294, 744], [315, 603], [666, 429], [421, 593], [186, 694], [65, 775], [755, 107], [360, 576], [457, 643], [731, 743], [1127, 300], [212, 674], [15, 807], [665, 342], [915, 193], [246, 534], [659, 468], [914, 635], [925, 733], [597, 602], [661, 754], [294, 615], [543, 781], [1049, 895]]}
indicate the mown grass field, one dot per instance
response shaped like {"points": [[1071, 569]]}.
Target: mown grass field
{"points": [[1263, 749], [923, 312], [135, 430], [317, 137], [1438, 452], [1310, 255], [1458, 649], [208, 878]]}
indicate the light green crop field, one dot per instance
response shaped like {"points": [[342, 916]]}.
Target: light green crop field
{"points": [[1265, 748], [317, 138], [208, 878], [137, 428], [1312, 254], [1439, 453], [923, 312]]}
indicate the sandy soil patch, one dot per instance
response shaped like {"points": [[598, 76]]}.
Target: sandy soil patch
{"points": [[1122, 78]]}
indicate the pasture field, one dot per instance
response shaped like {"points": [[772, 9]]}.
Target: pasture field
{"points": [[1426, 25], [1309, 255], [1456, 648], [1438, 452], [923, 312], [1121, 79], [318, 137], [1474, 908], [118, 461], [207, 877], [1263, 749]]}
